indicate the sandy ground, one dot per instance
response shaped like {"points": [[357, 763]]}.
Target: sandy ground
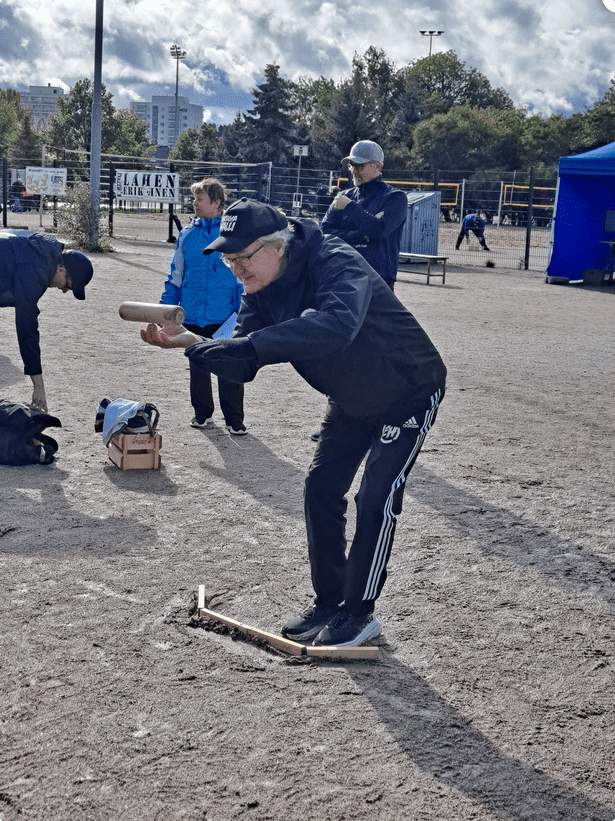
{"points": [[493, 696]]}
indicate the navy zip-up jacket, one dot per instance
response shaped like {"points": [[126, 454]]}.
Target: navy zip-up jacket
{"points": [[375, 238], [28, 263], [339, 325]]}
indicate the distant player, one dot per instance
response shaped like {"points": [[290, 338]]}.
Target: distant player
{"points": [[476, 225]]}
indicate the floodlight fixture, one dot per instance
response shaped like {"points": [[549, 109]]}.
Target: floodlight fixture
{"points": [[431, 35]]}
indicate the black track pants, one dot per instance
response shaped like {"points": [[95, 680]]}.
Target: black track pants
{"points": [[392, 443], [230, 394]]}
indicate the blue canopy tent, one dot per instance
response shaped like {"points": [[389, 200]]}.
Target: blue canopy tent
{"points": [[584, 214]]}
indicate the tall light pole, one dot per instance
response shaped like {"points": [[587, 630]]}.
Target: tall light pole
{"points": [[431, 35], [178, 54]]}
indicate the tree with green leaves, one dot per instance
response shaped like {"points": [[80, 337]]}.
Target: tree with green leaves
{"points": [[233, 139], [122, 132], [130, 136], [466, 139], [307, 98], [9, 119], [599, 122], [545, 139], [441, 81], [186, 147], [360, 107], [202, 145], [26, 149]]}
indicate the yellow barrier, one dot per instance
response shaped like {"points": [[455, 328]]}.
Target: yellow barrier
{"points": [[412, 183], [525, 204]]}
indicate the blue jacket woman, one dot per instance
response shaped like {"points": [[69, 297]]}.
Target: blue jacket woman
{"points": [[204, 287], [209, 294]]}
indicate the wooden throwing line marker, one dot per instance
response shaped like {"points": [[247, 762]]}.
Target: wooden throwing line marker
{"points": [[294, 648]]}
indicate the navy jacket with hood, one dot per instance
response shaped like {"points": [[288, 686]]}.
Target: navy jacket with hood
{"points": [[376, 238], [28, 263], [340, 326]]}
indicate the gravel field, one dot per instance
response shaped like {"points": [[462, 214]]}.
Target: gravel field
{"points": [[493, 696]]}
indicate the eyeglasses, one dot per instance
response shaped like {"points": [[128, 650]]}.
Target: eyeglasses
{"points": [[243, 262], [359, 166]]}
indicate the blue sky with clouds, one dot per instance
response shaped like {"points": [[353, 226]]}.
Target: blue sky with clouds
{"points": [[553, 56]]}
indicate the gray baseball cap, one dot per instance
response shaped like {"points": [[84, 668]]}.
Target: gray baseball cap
{"points": [[365, 151]]}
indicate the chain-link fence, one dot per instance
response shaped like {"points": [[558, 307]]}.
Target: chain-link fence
{"points": [[517, 206]]}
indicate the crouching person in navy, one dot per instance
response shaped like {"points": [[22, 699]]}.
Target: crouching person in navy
{"points": [[313, 301], [30, 264]]}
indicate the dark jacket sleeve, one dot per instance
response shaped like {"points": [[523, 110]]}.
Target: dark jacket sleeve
{"points": [[394, 208], [332, 225], [26, 324], [232, 359], [36, 260]]}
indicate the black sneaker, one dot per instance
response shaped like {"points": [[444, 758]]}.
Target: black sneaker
{"points": [[195, 422], [310, 623], [237, 430], [345, 630]]}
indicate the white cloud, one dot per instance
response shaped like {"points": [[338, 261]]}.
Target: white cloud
{"points": [[553, 55]]}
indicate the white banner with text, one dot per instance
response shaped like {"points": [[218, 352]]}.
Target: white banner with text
{"points": [[147, 186]]}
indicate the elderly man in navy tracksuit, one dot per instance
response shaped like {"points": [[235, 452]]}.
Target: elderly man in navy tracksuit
{"points": [[315, 302]]}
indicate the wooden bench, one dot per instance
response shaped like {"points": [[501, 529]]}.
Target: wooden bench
{"points": [[408, 259]]}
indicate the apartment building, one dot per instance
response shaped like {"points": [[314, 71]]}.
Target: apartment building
{"points": [[42, 102], [159, 114]]}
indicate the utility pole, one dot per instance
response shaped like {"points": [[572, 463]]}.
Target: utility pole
{"points": [[95, 130]]}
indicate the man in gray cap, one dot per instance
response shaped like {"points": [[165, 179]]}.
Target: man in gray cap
{"points": [[315, 302], [30, 263], [370, 216]]}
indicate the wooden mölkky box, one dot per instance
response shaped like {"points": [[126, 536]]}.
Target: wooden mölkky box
{"points": [[131, 451]]}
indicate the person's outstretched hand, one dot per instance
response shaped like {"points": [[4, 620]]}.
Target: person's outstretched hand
{"points": [[169, 336], [39, 399]]}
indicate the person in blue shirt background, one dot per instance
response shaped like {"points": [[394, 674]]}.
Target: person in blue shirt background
{"points": [[209, 293], [476, 225]]}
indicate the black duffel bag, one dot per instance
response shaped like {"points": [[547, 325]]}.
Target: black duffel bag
{"points": [[22, 441]]}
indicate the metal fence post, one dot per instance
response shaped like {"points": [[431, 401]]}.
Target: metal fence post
{"points": [[271, 197], [111, 196], [528, 230], [463, 196], [5, 199], [500, 203], [259, 184]]}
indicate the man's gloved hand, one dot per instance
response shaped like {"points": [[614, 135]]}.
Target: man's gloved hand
{"points": [[232, 359]]}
